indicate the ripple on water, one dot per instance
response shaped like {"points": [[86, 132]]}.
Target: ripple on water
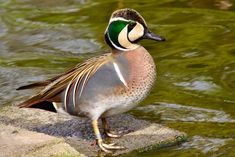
{"points": [[190, 54], [228, 76], [204, 144], [3, 48], [3, 29], [76, 45], [52, 40], [177, 112], [12, 78], [199, 84]]}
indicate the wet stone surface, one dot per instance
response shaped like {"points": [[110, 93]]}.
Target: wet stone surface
{"points": [[78, 134]]}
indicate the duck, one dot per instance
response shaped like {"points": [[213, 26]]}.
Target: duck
{"points": [[105, 85]]}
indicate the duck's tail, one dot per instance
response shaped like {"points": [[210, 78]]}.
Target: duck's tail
{"points": [[37, 102], [30, 102]]}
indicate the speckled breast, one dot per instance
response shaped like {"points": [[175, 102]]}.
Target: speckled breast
{"points": [[139, 72]]}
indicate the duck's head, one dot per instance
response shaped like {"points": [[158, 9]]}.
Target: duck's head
{"points": [[126, 27]]}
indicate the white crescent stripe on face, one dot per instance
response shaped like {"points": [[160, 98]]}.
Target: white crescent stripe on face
{"points": [[136, 32], [119, 74], [118, 48], [123, 40]]}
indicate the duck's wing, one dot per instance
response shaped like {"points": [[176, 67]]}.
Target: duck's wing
{"points": [[75, 79], [48, 81]]}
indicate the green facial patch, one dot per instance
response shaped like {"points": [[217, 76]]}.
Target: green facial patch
{"points": [[115, 28]]}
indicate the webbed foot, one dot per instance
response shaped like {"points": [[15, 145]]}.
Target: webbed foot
{"points": [[108, 147]]}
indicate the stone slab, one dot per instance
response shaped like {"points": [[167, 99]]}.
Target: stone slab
{"points": [[75, 134], [18, 142]]}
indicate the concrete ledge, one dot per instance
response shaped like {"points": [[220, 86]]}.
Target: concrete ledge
{"points": [[34, 132], [15, 142]]}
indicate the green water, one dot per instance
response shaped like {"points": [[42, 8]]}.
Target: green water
{"points": [[195, 89]]}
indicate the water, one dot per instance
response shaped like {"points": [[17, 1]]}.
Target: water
{"points": [[194, 92]]}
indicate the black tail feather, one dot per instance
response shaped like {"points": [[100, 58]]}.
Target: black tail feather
{"points": [[45, 105], [37, 102]]}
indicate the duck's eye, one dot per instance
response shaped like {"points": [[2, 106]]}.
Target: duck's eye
{"points": [[131, 26]]}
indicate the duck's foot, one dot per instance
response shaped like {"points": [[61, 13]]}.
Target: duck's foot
{"points": [[104, 147], [112, 134], [108, 148], [107, 131]]}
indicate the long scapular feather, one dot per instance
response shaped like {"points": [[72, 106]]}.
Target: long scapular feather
{"points": [[82, 80], [34, 85], [75, 91], [76, 87], [72, 82], [79, 80], [33, 100]]}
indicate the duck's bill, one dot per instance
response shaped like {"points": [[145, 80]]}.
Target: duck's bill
{"points": [[152, 36]]}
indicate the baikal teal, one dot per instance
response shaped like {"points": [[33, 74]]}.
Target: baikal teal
{"points": [[195, 85]]}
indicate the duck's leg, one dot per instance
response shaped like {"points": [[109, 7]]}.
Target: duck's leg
{"points": [[105, 147], [107, 130]]}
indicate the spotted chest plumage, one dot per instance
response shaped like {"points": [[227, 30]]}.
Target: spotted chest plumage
{"points": [[140, 79]]}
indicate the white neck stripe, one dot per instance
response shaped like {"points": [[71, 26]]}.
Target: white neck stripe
{"points": [[119, 74]]}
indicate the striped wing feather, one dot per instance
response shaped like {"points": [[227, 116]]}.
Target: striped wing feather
{"points": [[84, 70], [72, 80]]}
